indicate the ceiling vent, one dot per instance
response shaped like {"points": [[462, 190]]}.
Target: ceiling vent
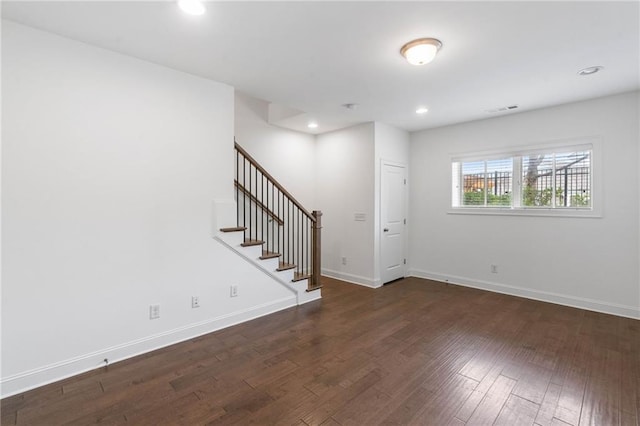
{"points": [[502, 109]]}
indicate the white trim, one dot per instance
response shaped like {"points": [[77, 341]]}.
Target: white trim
{"points": [[353, 279], [379, 224], [544, 296], [592, 143], [577, 143], [394, 163], [27, 380], [539, 212]]}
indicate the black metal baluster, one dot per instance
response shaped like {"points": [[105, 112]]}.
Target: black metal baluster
{"points": [[289, 256], [237, 189], [256, 191], [244, 198], [274, 201], [299, 259], [261, 200], [250, 204]]}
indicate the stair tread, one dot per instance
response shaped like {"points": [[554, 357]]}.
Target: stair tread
{"points": [[269, 255], [314, 288], [284, 266], [249, 243], [234, 229], [300, 276]]}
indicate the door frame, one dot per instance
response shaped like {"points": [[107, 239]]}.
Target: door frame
{"points": [[405, 247]]}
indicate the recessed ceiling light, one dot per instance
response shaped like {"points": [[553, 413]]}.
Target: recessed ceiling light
{"points": [[312, 125], [192, 7], [590, 70], [421, 51], [422, 110]]}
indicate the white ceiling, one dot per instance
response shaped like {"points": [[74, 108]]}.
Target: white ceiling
{"points": [[316, 56]]}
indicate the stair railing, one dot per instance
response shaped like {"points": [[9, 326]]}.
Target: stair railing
{"points": [[270, 214]]}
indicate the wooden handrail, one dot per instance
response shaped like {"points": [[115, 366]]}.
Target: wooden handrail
{"points": [[253, 198], [274, 181], [274, 218]]}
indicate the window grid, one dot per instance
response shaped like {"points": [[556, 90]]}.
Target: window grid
{"points": [[550, 180]]}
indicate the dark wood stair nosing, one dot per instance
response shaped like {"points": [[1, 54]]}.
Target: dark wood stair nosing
{"points": [[313, 289], [300, 277], [250, 243], [269, 255], [285, 266], [234, 229]]}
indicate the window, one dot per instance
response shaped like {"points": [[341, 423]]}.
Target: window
{"points": [[486, 183], [552, 178]]}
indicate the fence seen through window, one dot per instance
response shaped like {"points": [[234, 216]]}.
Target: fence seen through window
{"points": [[540, 180]]}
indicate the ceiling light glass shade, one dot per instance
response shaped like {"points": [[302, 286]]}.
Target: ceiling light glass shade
{"points": [[191, 7], [312, 125], [421, 51], [422, 110]]}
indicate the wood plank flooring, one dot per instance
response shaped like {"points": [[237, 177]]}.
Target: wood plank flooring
{"points": [[414, 352]]}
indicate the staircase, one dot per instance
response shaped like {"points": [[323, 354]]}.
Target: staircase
{"points": [[274, 231]]}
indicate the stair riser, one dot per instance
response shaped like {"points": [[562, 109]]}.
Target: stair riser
{"points": [[301, 285], [309, 296], [286, 276], [234, 239], [252, 252], [269, 264]]}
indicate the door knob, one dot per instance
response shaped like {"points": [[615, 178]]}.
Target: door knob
{"points": [[386, 229]]}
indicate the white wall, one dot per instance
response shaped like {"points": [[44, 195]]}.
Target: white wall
{"points": [[110, 166], [336, 172], [391, 145], [345, 186], [287, 155], [585, 262]]}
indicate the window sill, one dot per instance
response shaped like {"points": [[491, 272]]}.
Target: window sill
{"points": [[542, 212]]}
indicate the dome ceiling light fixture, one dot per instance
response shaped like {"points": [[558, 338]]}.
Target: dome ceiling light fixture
{"points": [[421, 51]]}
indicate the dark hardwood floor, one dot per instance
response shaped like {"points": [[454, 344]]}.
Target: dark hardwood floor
{"points": [[413, 352]]}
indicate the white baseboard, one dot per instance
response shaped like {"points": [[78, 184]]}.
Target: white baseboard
{"points": [[544, 296], [61, 370], [351, 278]]}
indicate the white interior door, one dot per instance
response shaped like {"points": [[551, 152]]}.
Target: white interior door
{"points": [[393, 222]]}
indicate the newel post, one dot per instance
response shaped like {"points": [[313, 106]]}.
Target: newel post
{"points": [[316, 236]]}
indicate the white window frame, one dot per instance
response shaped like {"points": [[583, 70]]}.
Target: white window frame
{"points": [[591, 143]]}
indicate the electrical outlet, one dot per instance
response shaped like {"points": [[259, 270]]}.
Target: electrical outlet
{"points": [[344, 260], [154, 311], [234, 291], [494, 269], [195, 302]]}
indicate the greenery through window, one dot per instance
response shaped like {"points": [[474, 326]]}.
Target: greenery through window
{"points": [[557, 179], [487, 183], [550, 179]]}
